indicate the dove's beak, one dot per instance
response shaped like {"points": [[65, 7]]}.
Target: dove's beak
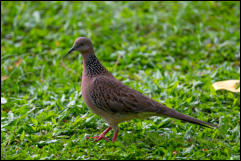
{"points": [[70, 51]]}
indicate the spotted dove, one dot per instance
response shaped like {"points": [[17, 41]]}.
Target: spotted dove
{"points": [[112, 100]]}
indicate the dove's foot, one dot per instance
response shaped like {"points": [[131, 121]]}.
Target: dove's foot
{"points": [[101, 136]]}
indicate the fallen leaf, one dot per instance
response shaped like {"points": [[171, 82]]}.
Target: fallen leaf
{"points": [[174, 152], [10, 67], [18, 62], [57, 43], [5, 77], [205, 149], [230, 85], [189, 140], [209, 45], [64, 121]]}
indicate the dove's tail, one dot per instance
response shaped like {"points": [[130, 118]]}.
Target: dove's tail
{"points": [[175, 114]]}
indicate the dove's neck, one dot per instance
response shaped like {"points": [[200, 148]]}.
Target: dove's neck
{"points": [[92, 66]]}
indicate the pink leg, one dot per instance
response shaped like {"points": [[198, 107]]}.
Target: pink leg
{"points": [[102, 136], [115, 135]]}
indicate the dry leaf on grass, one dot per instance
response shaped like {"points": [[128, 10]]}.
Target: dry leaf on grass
{"points": [[10, 67], [18, 62], [230, 85], [5, 77]]}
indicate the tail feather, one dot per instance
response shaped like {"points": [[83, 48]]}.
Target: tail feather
{"points": [[175, 114]]}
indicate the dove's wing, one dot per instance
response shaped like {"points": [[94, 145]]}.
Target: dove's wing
{"points": [[113, 96]]}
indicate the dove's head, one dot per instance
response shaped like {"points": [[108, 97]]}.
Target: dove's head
{"points": [[83, 45]]}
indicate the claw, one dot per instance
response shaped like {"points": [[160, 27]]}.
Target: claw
{"points": [[98, 138], [101, 136]]}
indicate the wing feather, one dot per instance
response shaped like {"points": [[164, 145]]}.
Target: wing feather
{"points": [[113, 96]]}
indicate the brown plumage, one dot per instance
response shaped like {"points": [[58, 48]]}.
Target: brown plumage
{"points": [[112, 100]]}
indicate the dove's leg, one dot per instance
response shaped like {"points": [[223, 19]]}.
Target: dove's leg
{"points": [[115, 135], [102, 136]]}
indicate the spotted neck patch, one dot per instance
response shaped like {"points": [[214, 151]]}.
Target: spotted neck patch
{"points": [[93, 66]]}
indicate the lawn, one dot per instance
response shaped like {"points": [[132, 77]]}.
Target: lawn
{"points": [[170, 51]]}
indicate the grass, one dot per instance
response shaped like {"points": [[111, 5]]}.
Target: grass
{"points": [[170, 51]]}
